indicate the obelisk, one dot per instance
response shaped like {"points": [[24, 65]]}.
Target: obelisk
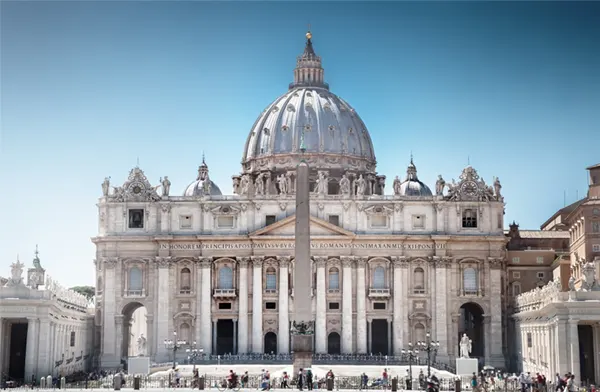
{"points": [[302, 321]]}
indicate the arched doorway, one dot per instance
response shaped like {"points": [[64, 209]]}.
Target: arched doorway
{"points": [[135, 331], [270, 343], [471, 323], [333, 343]]}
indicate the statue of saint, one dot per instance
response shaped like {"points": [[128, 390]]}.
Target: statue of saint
{"points": [[141, 345], [361, 186], [322, 184], [344, 185], [465, 346], [282, 181], [244, 184], [166, 186], [205, 185], [439, 186], [396, 185], [259, 184], [497, 188], [105, 186]]}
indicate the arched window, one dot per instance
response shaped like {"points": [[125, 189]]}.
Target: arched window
{"points": [[379, 278], [334, 279], [470, 284], [419, 280], [184, 332], [271, 279], [185, 281], [419, 333], [469, 218], [135, 281], [226, 278]]}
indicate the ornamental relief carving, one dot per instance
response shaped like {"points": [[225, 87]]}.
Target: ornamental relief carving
{"points": [[163, 262], [165, 208], [347, 261], [257, 261], [361, 262], [379, 209], [334, 262], [495, 263], [320, 261], [284, 261], [110, 262], [243, 261], [205, 262]]}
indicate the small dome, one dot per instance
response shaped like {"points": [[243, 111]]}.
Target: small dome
{"points": [[203, 185], [412, 186]]}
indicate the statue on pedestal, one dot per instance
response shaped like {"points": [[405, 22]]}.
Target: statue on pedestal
{"points": [[105, 186], [497, 188], [166, 186], [259, 184], [439, 186], [344, 185], [141, 346], [465, 346], [282, 181], [361, 186], [396, 185]]}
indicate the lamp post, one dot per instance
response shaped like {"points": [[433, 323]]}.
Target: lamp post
{"points": [[412, 354], [175, 345], [431, 348]]}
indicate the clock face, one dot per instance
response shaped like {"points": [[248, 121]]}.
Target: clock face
{"points": [[469, 188], [136, 188]]}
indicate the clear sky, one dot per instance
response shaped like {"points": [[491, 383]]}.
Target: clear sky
{"points": [[87, 88]]}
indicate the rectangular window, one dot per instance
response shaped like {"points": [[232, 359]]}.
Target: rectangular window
{"points": [[224, 305], [334, 219], [334, 306], [516, 275], [539, 259], [225, 222], [469, 218], [378, 221], [378, 305], [540, 275], [271, 305], [72, 339], [270, 219], [516, 289], [516, 260], [271, 282], [418, 221], [596, 227], [596, 248], [185, 222], [136, 218]]}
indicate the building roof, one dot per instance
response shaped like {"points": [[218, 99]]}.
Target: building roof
{"points": [[542, 234], [593, 167], [565, 210]]}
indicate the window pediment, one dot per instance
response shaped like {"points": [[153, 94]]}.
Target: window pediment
{"points": [[225, 210], [379, 209]]}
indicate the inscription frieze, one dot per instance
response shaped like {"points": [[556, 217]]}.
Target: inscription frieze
{"points": [[192, 246]]}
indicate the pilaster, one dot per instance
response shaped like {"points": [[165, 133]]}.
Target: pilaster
{"points": [[347, 264], [321, 312], [163, 293], [441, 305], [361, 311], [573, 345], [283, 335], [243, 305], [44, 353], [257, 303], [400, 291], [31, 347], [205, 316], [110, 359]]}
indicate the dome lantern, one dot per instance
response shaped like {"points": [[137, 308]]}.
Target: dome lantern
{"points": [[308, 71]]}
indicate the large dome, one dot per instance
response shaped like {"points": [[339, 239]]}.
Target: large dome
{"points": [[311, 121], [328, 123]]}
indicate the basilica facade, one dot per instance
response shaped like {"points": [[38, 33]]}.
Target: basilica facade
{"points": [[389, 265]]}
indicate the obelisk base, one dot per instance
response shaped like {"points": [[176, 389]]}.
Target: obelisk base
{"points": [[303, 352]]}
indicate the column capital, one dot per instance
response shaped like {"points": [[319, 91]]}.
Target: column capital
{"points": [[163, 262], [110, 262], [361, 262], [441, 262], [243, 261], [321, 261], [165, 207], [347, 261], [284, 261], [205, 262], [257, 261], [495, 263], [400, 261]]}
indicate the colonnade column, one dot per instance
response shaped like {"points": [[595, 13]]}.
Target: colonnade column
{"points": [[361, 308], [257, 303], [321, 312], [347, 340], [283, 334], [399, 314], [121, 331], [563, 364], [163, 292], [441, 296], [31, 347], [205, 314], [150, 342], [243, 306], [44, 358], [2, 345], [109, 356], [573, 333]]}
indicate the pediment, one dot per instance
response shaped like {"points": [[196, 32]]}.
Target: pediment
{"points": [[287, 227]]}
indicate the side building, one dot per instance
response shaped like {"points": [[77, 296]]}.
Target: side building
{"points": [[557, 325], [45, 329]]}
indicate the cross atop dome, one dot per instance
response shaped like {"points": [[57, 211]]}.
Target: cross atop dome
{"points": [[308, 71]]}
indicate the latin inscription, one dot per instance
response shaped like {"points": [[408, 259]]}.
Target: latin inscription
{"points": [[290, 245]]}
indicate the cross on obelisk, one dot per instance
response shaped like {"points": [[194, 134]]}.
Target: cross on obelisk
{"points": [[302, 320]]}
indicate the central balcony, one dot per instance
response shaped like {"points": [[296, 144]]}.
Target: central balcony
{"points": [[379, 293], [224, 293]]}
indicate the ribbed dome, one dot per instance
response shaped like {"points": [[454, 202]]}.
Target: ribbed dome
{"points": [[199, 187], [329, 125], [412, 186]]}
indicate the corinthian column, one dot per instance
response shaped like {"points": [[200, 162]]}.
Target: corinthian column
{"points": [[243, 306], [400, 293], [441, 308], [205, 315], [321, 313], [257, 302], [361, 306], [283, 334], [162, 316], [31, 347], [347, 263]]}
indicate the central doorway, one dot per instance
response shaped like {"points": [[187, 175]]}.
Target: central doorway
{"points": [[225, 337], [18, 346], [379, 337], [471, 323], [270, 343], [333, 343]]}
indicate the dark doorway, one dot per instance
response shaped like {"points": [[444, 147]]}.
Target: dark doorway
{"points": [[471, 323], [270, 343], [379, 337], [225, 337], [586, 354], [333, 343], [18, 346]]}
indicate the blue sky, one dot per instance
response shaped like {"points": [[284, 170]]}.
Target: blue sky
{"points": [[87, 88]]}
